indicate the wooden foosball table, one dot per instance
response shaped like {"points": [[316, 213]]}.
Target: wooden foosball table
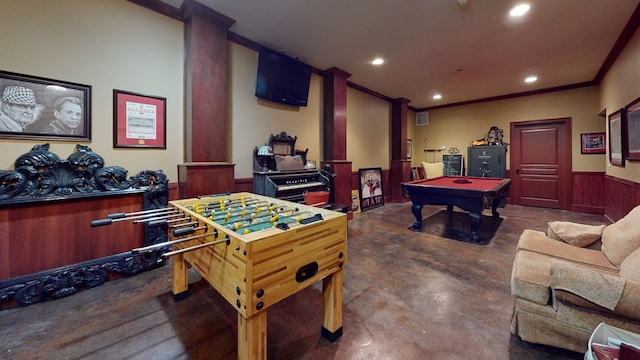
{"points": [[255, 251]]}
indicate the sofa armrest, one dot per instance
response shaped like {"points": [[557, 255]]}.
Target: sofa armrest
{"points": [[599, 288]]}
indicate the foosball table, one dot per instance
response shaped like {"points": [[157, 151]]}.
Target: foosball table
{"points": [[255, 251]]}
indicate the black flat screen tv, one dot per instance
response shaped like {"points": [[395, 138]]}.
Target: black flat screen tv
{"points": [[282, 79]]}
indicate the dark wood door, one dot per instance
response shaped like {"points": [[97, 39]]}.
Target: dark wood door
{"points": [[540, 165]]}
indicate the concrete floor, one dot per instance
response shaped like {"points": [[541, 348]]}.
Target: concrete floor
{"points": [[407, 295]]}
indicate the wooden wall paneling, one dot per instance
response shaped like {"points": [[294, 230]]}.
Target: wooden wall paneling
{"points": [[243, 185], [205, 178], [620, 197], [588, 192], [47, 235]]}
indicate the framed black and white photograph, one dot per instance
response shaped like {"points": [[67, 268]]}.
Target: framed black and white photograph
{"points": [[409, 149], [616, 147], [592, 143], [371, 194], [632, 131], [36, 108]]}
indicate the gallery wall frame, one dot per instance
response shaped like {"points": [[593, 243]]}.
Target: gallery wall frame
{"points": [[139, 120], [593, 143], [38, 108], [632, 130], [371, 188], [616, 145]]}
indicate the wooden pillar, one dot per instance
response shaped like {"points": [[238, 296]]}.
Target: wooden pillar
{"points": [[400, 165], [206, 98], [334, 145]]}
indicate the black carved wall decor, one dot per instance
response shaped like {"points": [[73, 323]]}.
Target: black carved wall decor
{"points": [[40, 175]]}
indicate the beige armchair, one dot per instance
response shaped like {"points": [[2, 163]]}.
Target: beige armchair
{"points": [[567, 281]]}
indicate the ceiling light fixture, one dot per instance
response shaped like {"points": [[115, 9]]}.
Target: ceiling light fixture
{"points": [[378, 61], [437, 97], [519, 10], [531, 79]]}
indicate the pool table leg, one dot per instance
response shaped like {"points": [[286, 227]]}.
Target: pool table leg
{"points": [[417, 212], [476, 220], [494, 207]]}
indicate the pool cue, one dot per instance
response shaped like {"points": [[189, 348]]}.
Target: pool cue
{"points": [[191, 248], [171, 242]]}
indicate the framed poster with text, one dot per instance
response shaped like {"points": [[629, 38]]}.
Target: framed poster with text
{"points": [[139, 121]]}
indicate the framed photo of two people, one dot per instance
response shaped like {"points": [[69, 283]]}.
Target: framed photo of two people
{"points": [[43, 109]]}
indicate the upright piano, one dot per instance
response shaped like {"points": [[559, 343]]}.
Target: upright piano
{"points": [[283, 172], [290, 185]]}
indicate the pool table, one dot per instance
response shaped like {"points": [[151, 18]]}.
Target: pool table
{"points": [[472, 194]]}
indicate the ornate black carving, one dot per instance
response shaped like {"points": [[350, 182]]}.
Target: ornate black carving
{"points": [[63, 282], [40, 175]]}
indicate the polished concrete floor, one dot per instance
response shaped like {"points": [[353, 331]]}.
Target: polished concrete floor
{"points": [[407, 295]]}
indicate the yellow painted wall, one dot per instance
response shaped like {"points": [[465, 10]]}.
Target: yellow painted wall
{"points": [[108, 45], [254, 119], [368, 130], [620, 87], [458, 126]]}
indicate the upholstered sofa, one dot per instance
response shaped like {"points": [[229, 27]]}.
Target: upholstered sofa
{"points": [[567, 281]]}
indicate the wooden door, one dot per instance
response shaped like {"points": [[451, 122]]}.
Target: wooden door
{"points": [[540, 163]]}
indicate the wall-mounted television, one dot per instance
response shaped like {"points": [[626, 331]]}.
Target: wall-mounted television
{"points": [[282, 79]]}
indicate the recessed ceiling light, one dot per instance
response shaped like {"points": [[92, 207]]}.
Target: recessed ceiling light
{"points": [[531, 79], [519, 10], [437, 97], [378, 61]]}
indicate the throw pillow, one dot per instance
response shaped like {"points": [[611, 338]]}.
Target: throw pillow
{"points": [[433, 170], [581, 235], [630, 267], [621, 238]]}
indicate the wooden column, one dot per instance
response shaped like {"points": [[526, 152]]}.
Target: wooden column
{"points": [[206, 99], [400, 165], [334, 144]]}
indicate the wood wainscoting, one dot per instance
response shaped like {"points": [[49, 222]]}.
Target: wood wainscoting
{"points": [[588, 192], [620, 196]]}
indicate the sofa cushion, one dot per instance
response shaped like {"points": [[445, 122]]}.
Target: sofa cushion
{"points": [[621, 238], [630, 267], [601, 289], [581, 235], [537, 241], [535, 255]]}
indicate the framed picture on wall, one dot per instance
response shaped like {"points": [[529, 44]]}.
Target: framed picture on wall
{"points": [[139, 121], [632, 131], [616, 148], [409, 149], [592, 143], [371, 194], [37, 108]]}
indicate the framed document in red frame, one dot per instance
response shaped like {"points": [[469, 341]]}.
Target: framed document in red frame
{"points": [[139, 121]]}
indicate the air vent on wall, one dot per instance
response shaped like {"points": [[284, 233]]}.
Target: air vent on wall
{"points": [[422, 118]]}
